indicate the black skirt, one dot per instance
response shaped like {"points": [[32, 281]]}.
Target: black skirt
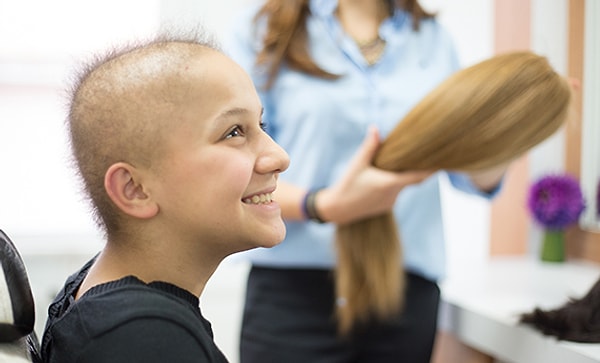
{"points": [[289, 317]]}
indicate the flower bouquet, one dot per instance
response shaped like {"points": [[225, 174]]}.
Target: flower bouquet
{"points": [[555, 202]]}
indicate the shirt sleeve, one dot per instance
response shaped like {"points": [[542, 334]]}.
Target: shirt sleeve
{"points": [[150, 341], [463, 183]]}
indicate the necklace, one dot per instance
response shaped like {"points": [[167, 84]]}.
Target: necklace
{"points": [[371, 49]]}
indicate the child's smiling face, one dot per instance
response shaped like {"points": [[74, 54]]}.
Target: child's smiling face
{"points": [[215, 179]]}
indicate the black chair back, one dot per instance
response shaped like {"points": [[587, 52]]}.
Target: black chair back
{"points": [[17, 308]]}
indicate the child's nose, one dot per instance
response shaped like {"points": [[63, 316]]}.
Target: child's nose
{"points": [[273, 158]]}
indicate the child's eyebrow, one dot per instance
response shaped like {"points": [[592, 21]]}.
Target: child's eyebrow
{"points": [[233, 112], [236, 112]]}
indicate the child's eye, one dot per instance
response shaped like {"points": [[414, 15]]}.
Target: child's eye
{"points": [[236, 131], [263, 125]]}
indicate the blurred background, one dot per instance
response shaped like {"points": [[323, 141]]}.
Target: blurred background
{"points": [[41, 206]]}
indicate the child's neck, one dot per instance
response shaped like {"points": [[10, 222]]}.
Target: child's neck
{"points": [[116, 262]]}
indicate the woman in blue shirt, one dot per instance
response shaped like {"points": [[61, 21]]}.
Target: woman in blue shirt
{"points": [[334, 76]]}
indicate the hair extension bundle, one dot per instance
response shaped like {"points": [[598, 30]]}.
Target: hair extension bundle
{"points": [[577, 320], [480, 117]]}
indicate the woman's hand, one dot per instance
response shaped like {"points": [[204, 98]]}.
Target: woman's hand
{"points": [[364, 190]]}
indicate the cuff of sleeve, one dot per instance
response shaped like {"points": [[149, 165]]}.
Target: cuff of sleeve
{"points": [[463, 183]]}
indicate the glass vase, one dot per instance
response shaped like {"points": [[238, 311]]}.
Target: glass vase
{"points": [[553, 246]]}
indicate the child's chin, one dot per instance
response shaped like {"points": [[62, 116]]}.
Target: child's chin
{"points": [[276, 239]]}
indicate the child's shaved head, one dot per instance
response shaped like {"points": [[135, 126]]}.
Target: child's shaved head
{"points": [[121, 106]]}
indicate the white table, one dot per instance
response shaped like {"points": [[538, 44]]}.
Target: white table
{"points": [[481, 307]]}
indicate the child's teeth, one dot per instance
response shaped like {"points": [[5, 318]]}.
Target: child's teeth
{"points": [[259, 199]]}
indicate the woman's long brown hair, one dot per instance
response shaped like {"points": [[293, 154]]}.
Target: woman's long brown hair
{"points": [[481, 117]]}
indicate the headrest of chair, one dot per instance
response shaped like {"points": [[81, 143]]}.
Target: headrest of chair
{"points": [[17, 310]]}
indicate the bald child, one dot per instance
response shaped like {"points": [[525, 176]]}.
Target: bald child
{"points": [[168, 140]]}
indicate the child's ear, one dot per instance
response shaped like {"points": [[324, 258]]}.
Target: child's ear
{"points": [[124, 187]]}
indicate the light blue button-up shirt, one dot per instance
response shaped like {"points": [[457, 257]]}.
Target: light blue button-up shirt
{"points": [[321, 123]]}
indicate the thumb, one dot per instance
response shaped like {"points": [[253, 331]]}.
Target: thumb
{"points": [[363, 157], [369, 146]]}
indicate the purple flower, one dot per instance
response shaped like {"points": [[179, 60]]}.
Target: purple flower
{"points": [[555, 201]]}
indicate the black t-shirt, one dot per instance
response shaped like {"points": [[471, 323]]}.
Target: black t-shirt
{"points": [[129, 321]]}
